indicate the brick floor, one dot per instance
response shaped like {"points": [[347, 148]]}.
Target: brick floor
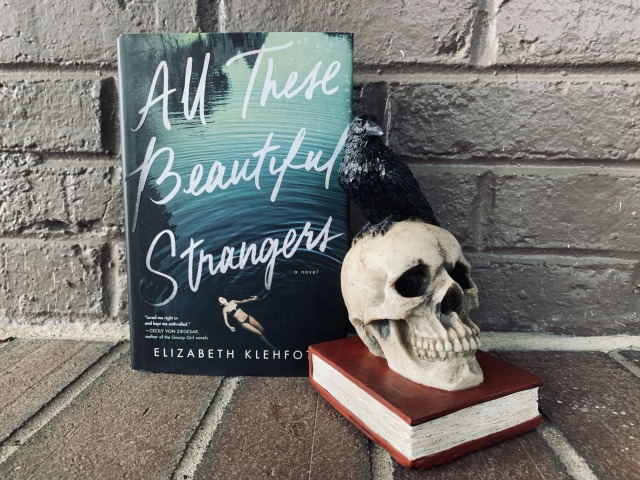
{"points": [[33, 372], [595, 403], [280, 428], [71, 409]]}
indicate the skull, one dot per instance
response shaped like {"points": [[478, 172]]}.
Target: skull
{"points": [[408, 293]]}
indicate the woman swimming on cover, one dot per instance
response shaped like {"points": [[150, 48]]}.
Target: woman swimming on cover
{"points": [[245, 320]]}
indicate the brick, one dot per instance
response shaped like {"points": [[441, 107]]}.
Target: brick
{"points": [[509, 117], [282, 416], [58, 198], [567, 295], [593, 401], [14, 350], [36, 371], [564, 208], [453, 195], [94, 195], [392, 32], [127, 424], [28, 109], [526, 456], [50, 278], [552, 33], [31, 195], [371, 98], [339, 449], [632, 355], [36, 32]]}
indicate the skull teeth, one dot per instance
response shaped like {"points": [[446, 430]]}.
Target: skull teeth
{"points": [[474, 328], [433, 349]]}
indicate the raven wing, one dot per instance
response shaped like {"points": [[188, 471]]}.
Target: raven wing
{"points": [[405, 190]]}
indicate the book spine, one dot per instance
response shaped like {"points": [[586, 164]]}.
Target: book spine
{"points": [[127, 236]]}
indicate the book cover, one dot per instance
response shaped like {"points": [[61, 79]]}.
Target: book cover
{"points": [[504, 405], [235, 223]]}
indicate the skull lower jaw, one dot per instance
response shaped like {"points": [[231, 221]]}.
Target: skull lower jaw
{"points": [[431, 362], [456, 373]]}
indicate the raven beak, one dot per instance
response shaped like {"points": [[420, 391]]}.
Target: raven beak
{"points": [[373, 130]]}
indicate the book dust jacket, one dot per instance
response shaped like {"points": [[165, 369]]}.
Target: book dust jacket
{"points": [[236, 226]]}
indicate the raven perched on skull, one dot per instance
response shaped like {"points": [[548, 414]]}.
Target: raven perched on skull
{"points": [[379, 182]]}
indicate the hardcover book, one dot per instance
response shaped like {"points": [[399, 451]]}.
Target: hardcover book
{"points": [[423, 426], [235, 223]]}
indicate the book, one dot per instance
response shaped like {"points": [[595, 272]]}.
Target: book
{"points": [[235, 224], [423, 426]]}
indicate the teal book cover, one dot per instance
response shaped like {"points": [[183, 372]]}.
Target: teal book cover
{"points": [[235, 224]]}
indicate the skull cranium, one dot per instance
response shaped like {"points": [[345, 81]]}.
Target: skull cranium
{"points": [[409, 294]]}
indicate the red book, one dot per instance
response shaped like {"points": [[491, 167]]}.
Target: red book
{"points": [[423, 426]]}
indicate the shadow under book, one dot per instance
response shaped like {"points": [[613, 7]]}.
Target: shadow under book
{"points": [[422, 426]]}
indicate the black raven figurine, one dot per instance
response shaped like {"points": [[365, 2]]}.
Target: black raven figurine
{"points": [[380, 183]]}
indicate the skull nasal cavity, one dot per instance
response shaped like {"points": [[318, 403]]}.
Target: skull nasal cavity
{"points": [[413, 282], [452, 301]]}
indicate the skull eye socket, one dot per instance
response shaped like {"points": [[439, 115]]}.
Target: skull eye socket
{"points": [[413, 282], [460, 274]]}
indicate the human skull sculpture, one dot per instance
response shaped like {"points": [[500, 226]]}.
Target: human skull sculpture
{"points": [[408, 293]]}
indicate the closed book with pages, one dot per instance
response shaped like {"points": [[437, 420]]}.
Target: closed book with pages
{"points": [[422, 426]]}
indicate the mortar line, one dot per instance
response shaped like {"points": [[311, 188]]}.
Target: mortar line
{"points": [[68, 162], [576, 466], [563, 256], [44, 71], [396, 71], [33, 232], [551, 342], [221, 17], [490, 54], [60, 402], [530, 166], [84, 157], [381, 462], [368, 71], [483, 52], [206, 429], [514, 341], [313, 438], [626, 363]]}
